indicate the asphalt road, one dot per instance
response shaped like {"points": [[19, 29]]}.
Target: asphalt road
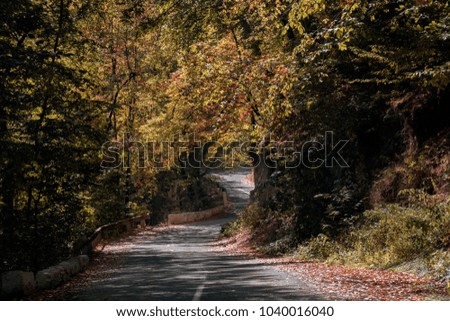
{"points": [[183, 265]]}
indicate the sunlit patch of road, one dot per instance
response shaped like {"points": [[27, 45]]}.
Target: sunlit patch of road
{"points": [[183, 264]]}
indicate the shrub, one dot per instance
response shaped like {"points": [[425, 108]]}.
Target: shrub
{"points": [[395, 234], [319, 248], [266, 225], [391, 235]]}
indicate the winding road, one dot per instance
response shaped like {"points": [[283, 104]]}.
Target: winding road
{"points": [[182, 264]]}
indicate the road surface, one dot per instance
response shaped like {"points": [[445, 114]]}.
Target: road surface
{"points": [[182, 264]]}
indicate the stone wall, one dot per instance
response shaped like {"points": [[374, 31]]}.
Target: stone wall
{"points": [[189, 217], [178, 192], [18, 283]]}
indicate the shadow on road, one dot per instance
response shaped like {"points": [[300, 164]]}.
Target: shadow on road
{"points": [[182, 265]]}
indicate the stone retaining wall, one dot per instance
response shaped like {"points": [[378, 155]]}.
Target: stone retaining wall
{"points": [[181, 218], [19, 283], [15, 284], [189, 217]]}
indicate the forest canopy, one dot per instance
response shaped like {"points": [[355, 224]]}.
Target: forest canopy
{"points": [[76, 74]]}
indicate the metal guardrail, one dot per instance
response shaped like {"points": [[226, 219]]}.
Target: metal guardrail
{"points": [[19, 283], [107, 231]]}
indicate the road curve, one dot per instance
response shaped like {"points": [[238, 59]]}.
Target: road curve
{"points": [[182, 265]]}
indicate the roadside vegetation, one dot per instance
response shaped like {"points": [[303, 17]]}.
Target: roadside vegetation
{"points": [[84, 83]]}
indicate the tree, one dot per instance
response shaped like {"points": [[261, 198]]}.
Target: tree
{"points": [[49, 136]]}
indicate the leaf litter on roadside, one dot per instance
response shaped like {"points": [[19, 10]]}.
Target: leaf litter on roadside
{"points": [[339, 282]]}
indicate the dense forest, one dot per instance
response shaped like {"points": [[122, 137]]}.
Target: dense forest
{"points": [[76, 75]]}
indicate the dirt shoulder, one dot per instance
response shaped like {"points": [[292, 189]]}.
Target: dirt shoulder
{"points": [[339, 282], [334, 281]]}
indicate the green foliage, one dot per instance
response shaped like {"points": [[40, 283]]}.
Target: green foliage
{"points": [[48, 138], [390, 235], [273, 229], [395, 234], [319, 248], [373, 72], [74, 74], [232, 228]]}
